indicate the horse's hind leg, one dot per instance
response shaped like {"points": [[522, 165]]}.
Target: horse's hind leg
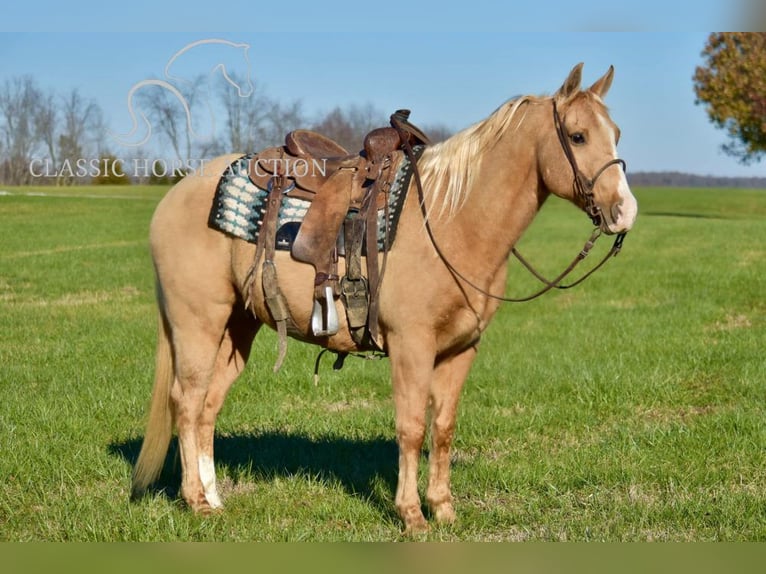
{"points": [[230, 361], [449, 376], [197, 332]]}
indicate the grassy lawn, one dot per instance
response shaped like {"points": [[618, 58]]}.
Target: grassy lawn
{"points": [[631, 408]]}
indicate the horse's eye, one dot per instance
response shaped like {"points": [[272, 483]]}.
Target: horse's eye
{"points": [[578, 138]]}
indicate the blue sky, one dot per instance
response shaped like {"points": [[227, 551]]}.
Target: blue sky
{"points": [[450, 74], [410, 16]]}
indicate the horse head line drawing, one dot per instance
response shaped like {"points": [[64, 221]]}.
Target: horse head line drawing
{"points": [[171, 83]]}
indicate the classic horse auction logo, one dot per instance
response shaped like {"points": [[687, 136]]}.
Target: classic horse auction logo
{"points": [[174, 84]]}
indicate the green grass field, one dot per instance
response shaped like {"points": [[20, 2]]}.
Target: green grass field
{"points": [[631, 408]]}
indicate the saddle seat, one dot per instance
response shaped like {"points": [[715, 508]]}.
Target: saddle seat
{"points": [[308, 144], [318, 158]]}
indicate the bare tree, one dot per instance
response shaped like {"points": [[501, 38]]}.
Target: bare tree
{"points": [[255, 121], [348, 127], [46, 125], [82, 126], [19, 104], [281, 119], [437, 132], [35, 125], [173, 116], [243, 116]]}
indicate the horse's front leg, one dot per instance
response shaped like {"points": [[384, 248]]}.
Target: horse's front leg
{"points": [[449, 376], [411, 372]]}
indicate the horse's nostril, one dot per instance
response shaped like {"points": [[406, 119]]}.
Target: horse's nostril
{"points": [[616, 211]]}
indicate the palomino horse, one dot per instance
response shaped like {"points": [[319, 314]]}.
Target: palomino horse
{"points": [[482, 188]]}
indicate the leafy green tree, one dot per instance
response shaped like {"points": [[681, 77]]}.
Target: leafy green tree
{"points": [[731, 84]]}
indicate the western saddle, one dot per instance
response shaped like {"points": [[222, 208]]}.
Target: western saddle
{"points": [[345, 192]]}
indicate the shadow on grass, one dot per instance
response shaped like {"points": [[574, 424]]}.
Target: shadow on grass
{"points": [[357, 464]]}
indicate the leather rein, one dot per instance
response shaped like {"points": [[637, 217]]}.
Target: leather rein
{"points": [[583, 190]]}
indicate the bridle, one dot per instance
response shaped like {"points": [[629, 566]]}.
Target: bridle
{"points": [[583, 187], [583, 190]]}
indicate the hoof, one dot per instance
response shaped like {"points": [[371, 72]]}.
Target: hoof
{"points": [[414, 522], [416, 528], [212, 511], [444, 513], [199, 505], [214, 500], [137, 494]]}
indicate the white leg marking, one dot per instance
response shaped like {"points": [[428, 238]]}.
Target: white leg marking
{"points": [[207, 476]]}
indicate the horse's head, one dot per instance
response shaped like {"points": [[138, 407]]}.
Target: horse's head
{"points": [[578, 155]]}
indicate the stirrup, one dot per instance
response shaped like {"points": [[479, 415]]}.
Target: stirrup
{"points": [[324, 324]]}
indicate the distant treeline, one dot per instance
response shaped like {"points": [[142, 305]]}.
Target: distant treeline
{"points": [[48, 137], [678, 179]]}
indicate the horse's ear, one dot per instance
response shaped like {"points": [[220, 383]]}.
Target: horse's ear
{"points": [[601, 86], [572, 84]]}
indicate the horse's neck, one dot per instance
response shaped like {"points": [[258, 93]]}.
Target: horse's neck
{"points": [[504, 199]]}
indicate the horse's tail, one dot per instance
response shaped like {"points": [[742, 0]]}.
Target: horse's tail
{"points": [[159, 428]]}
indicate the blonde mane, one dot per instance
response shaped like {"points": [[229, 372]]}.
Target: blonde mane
{"points": [[449, 168]]}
